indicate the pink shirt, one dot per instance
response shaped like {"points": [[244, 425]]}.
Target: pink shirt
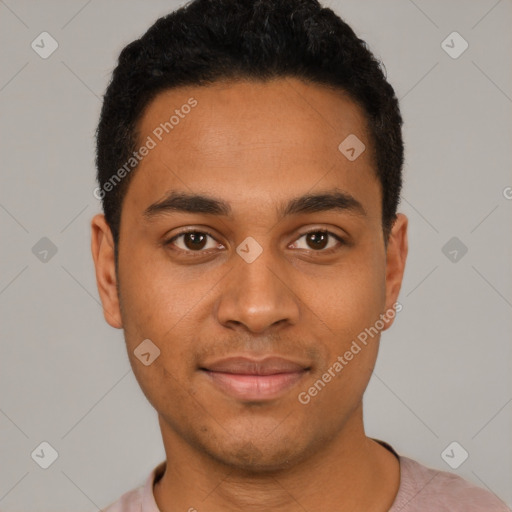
{"points": [[421, 489]]}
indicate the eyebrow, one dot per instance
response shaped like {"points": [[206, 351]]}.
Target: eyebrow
{"points": [[335, 200]]}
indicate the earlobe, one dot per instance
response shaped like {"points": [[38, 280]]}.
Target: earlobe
{"points": [[396, 255], [102, 247]]}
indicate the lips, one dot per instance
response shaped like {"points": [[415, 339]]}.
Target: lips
{"points": [[254, 379]]}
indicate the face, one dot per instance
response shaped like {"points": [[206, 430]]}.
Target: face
{"points": [[251, 253]]}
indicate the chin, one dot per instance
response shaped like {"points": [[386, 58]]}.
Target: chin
{"points": [[257, 455]]}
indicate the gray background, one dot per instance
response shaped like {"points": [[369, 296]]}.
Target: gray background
{"points": [[444, 372]]}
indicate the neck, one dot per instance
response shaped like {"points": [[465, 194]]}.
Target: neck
{"points": [[351, 472]]}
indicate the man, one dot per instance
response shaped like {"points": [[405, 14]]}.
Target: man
{"points": [[249, 161]]}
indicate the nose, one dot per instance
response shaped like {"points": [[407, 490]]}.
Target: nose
{"points": [[258, 296]]}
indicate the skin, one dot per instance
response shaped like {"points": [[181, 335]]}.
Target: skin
{"points": [[256, 146]]}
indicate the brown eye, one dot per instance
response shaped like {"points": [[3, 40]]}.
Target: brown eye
{"points": [[318, 241], [193, 241]]}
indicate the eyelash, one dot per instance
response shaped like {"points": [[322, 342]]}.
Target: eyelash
{"points": [[194, 253]]}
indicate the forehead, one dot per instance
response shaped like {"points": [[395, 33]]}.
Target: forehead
{"points": [[248, 139]]}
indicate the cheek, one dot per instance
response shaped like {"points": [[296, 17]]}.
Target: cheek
{"points": [[167, 304], [169, 392], [350, 296], [158, 305], [154, 294], [348, 302], [349, 307]]}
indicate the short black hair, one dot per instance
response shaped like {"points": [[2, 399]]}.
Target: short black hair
{"points": [[212, 40]]}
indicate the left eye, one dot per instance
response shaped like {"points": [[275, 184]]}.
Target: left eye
{"points": [[318, 240]]}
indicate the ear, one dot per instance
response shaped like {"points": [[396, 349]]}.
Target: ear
{"points": [[396, 254], [102, 246]]}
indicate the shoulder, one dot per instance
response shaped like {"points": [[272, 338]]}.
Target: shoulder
{"points": [[129, 502], [426, 489], [142, 498]]}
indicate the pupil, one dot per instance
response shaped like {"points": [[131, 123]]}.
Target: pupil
{"points": [[195, 240], [318, 239]]}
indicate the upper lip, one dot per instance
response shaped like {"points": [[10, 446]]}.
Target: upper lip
{"points": [[250, 366]]}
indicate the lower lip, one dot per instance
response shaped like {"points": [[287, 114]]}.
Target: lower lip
{"points": [[255, 387]]}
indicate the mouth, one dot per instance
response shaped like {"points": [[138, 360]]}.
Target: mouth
{"points": [[250, 379]]}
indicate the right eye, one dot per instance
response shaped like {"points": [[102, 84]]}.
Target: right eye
{"points": [[193, 241]]}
